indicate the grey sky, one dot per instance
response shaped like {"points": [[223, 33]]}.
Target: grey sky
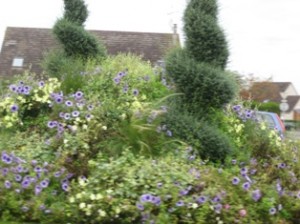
{"points": [[263, 35]]}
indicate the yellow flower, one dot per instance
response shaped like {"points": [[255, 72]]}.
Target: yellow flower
{"points": [[71, 199], [102, 213], [82, 205]]}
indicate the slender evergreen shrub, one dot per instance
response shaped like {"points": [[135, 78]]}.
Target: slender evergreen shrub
{"points": [[75, 11], [205, 39], [203, 86]]}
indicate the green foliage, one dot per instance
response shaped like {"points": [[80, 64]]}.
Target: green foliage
{"points": [[205, 40], [77, 42], [203, 86], [75, 11], [269, 106]]}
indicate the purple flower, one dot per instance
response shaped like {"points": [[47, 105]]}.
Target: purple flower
{"points": [[18, 177], [58, 99], [216, 199], [14, 108], [125, 88], [135, 92], [69, 103], [256, 195], [156, 200], [75, 113], [246, 186], [233, 161], [237, 108], [183, 192], [140, 206], [169, 133], [78, 95], [201, 199], [235, 180], [90, 107], [146, 198], [65, 186], [218, 208], [180, 203], [25, 183], [38, 169], [159, 185], [41, 83], [6, 158], [272, 211], [5, 171], [244, 170], [38, 189], [116, 80], [7, 184], [67, 116], [51, 124], [13, 88], [44, 183]]}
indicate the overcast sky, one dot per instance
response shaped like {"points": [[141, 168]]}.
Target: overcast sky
{"points": [[263, 35]]}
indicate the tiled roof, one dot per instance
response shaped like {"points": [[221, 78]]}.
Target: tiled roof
{"points": [[292, 101], [31, 44]]}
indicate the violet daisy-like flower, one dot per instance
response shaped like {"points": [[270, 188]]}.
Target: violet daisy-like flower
{"points": [[75, 113], [116, 80], [38, 169], [51, 124], [69, 103], [237, 108], [14, 108], [78, 95], [235, 180], [44, 183], [146, 198], [156, 200], [218, 208], [41, 83], [58, 99], [244, 170], [272, 211], [25, 183], [140, 206], [256, 195], [180, 203], [13, 88], [298, 195], [38, 189], [7, 184], [135, 92], [67, 116], [246, 186], [169, 133], [125, 88], [90, 107], [6, 158], [18, 177], [65, 186], [201, 199], [5, 171]]}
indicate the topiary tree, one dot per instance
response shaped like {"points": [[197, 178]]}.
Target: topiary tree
{"points": [[70, 32], [205, 40], [198, 72]]}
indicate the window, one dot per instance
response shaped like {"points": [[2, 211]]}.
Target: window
{"points": [[17, 62]]}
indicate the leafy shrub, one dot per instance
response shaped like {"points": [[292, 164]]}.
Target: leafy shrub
{"points": [[25, 100], [203, 86]]}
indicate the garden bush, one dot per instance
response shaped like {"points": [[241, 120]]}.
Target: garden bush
{"points": [[204, 87]]}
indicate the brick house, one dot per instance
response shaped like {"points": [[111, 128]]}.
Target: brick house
{"points": [[24, 48]]}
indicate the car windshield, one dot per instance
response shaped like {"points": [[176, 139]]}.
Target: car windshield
{"points": [[267, 118]]}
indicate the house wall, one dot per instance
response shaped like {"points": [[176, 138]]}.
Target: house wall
{"points": [[290, 115]]}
